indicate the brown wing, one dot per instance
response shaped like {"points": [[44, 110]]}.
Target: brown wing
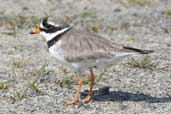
{"points": [[80, 45]]}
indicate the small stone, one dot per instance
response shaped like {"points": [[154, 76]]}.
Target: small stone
{"points": [[103, 90], [117, 10]]}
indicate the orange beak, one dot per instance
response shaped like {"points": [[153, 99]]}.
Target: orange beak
{"points": [[36, 31]]}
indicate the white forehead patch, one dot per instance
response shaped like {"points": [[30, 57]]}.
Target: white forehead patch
{"points": [[41, 25], [52, 23]]}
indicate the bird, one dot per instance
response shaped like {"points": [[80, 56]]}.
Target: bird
{"points": [[82, 50]]}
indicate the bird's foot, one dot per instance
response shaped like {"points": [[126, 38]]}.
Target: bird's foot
{"points": [[87, 99], [71, 102]]}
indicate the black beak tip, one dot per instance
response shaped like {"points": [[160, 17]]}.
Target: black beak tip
{"points": [[31, 32]]}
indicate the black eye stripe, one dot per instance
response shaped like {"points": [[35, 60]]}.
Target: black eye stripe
{"points": [[50, 26], [51, 30], [47, 25], [44, 22], [42, 29]]}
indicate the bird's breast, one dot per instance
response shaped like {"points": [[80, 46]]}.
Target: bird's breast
{"points": [[57, 52]]}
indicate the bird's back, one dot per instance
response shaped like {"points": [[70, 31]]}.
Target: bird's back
{"points": [[81, 45]]}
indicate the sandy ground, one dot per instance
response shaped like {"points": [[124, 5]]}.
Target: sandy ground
{"points": [[33, 82]]}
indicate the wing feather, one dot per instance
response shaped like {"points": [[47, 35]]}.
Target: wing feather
{"points": [[80, 45]]}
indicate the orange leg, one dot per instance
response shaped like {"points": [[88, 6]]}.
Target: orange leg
{"points": [[90, 93], [77, 97]]}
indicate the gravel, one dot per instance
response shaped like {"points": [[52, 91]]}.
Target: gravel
{"points": [[33, 82]]}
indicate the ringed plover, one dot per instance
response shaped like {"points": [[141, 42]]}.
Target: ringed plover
{"points": [[82, 50]]}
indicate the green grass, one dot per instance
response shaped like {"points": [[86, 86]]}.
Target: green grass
{"points": [[70, 79], [64, 70], [16, 96], [131, 38], [38, 73], [33, 84], [19, 96], [12, 33], [4, 85], [167, 11], [95, 28], [142, 3], [66, 82], [35, 88], [165, 30], [87, 13]]}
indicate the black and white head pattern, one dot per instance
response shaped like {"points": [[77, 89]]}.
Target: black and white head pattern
{"points": [[51, 28]]}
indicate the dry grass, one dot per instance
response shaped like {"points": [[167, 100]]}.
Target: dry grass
{"points": [[20, 62], [14, 24], [21, 90], [145, 63], [141, 3]]}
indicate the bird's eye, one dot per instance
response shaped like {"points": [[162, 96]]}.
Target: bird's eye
{"points": [[48, 26]]}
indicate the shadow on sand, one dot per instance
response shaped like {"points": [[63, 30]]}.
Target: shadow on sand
{"points": [[126, 96]]}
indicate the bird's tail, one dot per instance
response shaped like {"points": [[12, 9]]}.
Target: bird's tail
{"points": [[131, 49]]}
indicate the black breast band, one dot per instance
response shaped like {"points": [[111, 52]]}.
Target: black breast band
{"points": [[51, 42]]}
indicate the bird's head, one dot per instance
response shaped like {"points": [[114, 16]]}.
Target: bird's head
{"points": [[49, 28]]}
